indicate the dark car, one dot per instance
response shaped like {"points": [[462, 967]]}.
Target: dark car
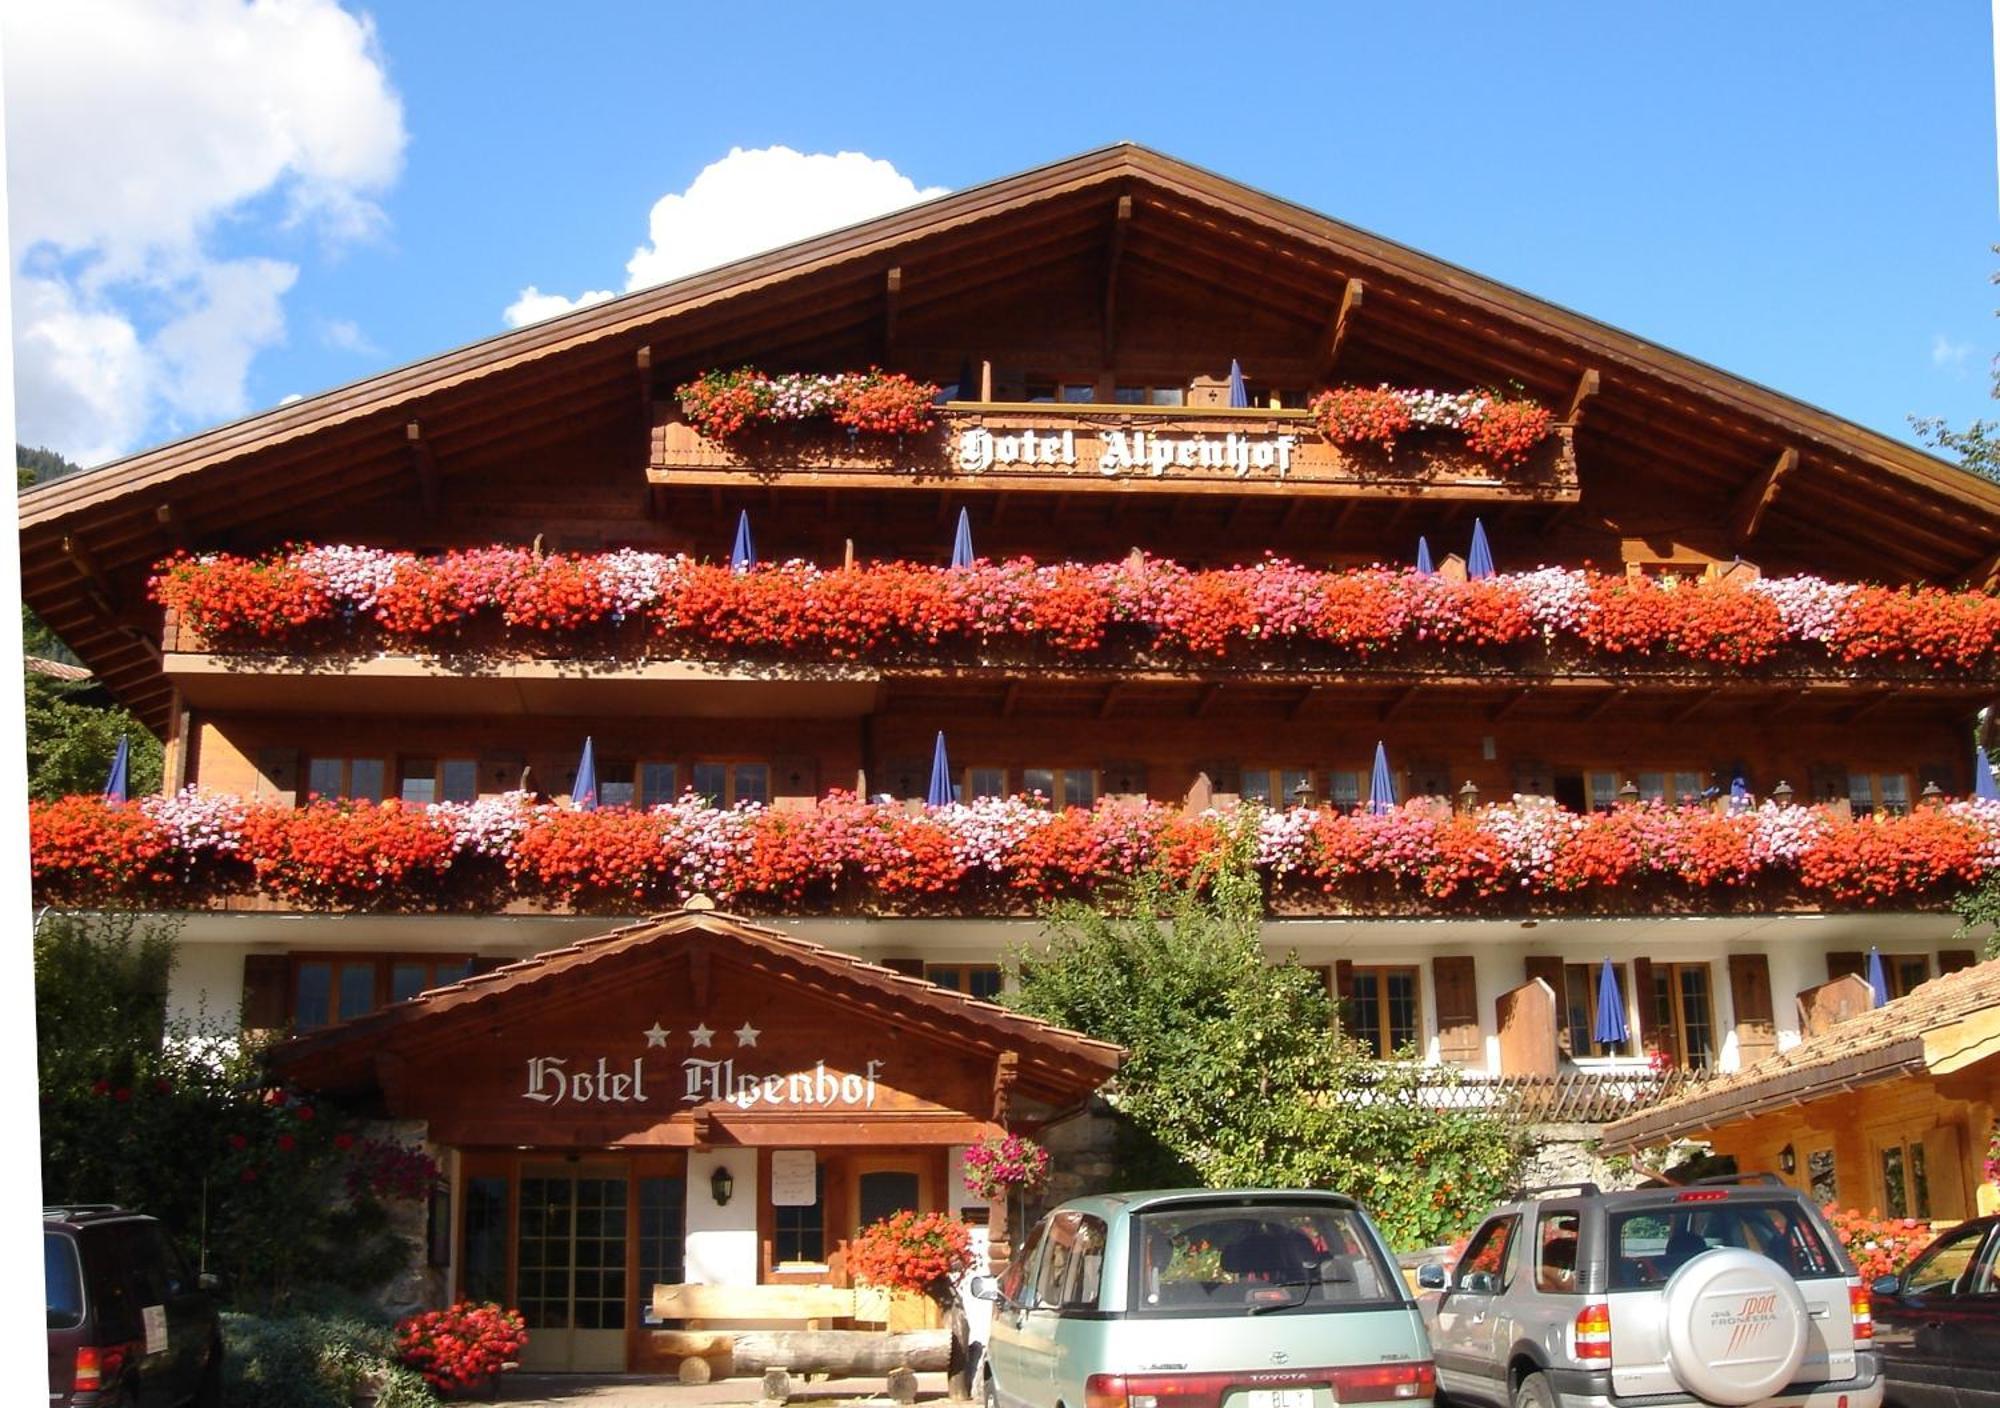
{"points": [[130, 1326], [1938, 1324]]}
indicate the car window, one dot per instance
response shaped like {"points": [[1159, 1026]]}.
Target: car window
{"points": [[1649, 1245], [1490, 1253], [1941, 1268], [1238, 1258], [1057, 1261], [1555, 1252], [1084, 1284], [1015, 1283], [63, 1275]]}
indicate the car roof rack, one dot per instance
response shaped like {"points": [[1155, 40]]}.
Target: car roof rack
{"points": [[1584, 1189], [1764, 1178], [70, 1212]]}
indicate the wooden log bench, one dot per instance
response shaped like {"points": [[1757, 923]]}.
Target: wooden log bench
{"points": [[781, 1330]]}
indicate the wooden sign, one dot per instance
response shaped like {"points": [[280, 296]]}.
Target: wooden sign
{"points": [[1111, 448]]}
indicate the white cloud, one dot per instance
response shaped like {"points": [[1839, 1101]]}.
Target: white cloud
{"points": [[345, 335], [749, 201], [533, 305], [1949, 353], [143, 131]]}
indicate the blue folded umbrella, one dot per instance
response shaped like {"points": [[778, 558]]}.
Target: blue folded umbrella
{"points": [[940, 791], [742, 557], [116, 785], [1983, 785], [583, 796], [1239, 394], [1479, 562], [961, 543], [1877, 979], [1381, 786], [1610, 1028], [1424, 555]]}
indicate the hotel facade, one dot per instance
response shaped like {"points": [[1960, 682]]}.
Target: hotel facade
{"points": [[1686, 685]]}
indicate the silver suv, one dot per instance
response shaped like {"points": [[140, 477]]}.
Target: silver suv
{"points": [[1732, 1291]]}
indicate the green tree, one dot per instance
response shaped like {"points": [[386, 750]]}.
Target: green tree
{"points": [[1977, 447], [71, 742], [1235, 1075], [178, 1120]]}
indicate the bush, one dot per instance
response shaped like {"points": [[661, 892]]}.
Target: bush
{"points": [[314, 1361], [1235, 1074]]}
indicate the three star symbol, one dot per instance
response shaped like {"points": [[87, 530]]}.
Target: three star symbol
{"points": [[702, 1035]]}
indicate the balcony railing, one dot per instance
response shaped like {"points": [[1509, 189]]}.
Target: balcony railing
{"points": [[1568, 1097], [1272, 620], [995, 857]]}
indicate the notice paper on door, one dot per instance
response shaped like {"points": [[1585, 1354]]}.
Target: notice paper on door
{"points": [[155, 1320], [794, 1181]]}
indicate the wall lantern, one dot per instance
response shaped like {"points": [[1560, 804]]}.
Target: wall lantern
{"points": [[1782, 793], [1629, 793], [1468, 797], [1788, 1161], [721, 1185]]}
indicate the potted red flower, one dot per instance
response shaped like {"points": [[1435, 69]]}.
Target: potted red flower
{"points": [[464, 1348]]}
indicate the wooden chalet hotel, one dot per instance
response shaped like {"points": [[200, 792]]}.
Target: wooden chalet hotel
{"points": [[1699, 702]]}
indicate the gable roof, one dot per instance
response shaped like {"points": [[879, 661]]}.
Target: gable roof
{"points": [[89, 539], [1942, 1025], [1053, 1062]]}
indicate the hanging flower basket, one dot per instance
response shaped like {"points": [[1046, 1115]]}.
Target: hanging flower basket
{"points": [[995, 1168]]}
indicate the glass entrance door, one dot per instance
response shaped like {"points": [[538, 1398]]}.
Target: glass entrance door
{"points": [[570, 1281]]}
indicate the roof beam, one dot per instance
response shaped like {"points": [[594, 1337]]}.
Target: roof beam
{"points": [[1206, 702], [1401, 702], [1982, 575], [1756, 497], [1684, 712], [1586, 387], [172, 524], [1110, 700], [1121, 226], [892, 295], [1312, 692], [424, 462], [1603, 706], [1508, 705], [1342, 320], [96, 584]]}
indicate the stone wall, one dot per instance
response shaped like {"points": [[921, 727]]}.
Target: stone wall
{"points": [[420, 1286]]}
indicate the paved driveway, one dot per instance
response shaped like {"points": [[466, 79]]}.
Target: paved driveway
{"points": [[633, 1391]]}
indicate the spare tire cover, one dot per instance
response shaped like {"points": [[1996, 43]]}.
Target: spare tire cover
{"points": [[1736, 1326]]}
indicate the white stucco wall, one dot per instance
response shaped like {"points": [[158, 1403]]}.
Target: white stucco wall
{"points": [[722, 1242]]}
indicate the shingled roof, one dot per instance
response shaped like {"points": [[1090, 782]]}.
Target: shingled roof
{"points": [[1942, 1026], [1057, 1061]]}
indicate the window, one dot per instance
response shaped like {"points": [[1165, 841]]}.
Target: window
{"points": [[1906, 1184], [1343, 791], [1602, 788], [1261, 1252], [1384, 1009], [1150, 395], [333, 989], [883, 1193], [662, 1239], [421, 780], [63, 1278], [1490, 1256], [1555, 1260], [1673, 788], [1820, 1181], [1905, 972], [728, 784], [1683, 1016], [1275, 787], [485, 1248], [1580, 984], [1039, 389], [984, 782], [1088, 1278], [1078, 393], [615, 783], [1063, 787], [1650, 1244], [345, 779], [798, 1234], [1884, 792], [1940, 1271], [981, 980], [1014, 1284], [659, 784]]}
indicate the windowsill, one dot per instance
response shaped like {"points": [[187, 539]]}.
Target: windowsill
{"points": [[796, 1268]]}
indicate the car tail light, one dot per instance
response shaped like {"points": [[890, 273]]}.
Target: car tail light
{"points": [[89, 1368], [1863, 1312], [1593, 1331], [1708, 1195], [1360, 1383]]}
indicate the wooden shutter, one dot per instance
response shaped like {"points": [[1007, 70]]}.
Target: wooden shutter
{"points": [[1343, 992], [1750, 995], [267, 991], [905, 779], [908, 967], [1644, 1002], [486, 964], [795, 776], [1839, 965], [1533, 778], [1454, 981], [501, 772], [1944, 1172], [1951, 960], [1550, 971], [1825, 782], [278, 775], [1124, 778]]}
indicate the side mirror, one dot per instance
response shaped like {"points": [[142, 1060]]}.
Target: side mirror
{"points": [[983, 1288], [1430, 1277], [1886, 1286]]}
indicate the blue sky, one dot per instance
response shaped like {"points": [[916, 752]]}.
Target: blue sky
{"points": [[1803, 194]]}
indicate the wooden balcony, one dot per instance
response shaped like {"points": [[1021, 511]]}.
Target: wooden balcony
{"points": [[1000, 446]]}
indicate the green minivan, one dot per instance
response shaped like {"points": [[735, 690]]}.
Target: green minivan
{"points": [[1203, 1298]]}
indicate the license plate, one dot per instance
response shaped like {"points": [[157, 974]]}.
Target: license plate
{"points": [[1279, 1398]]}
